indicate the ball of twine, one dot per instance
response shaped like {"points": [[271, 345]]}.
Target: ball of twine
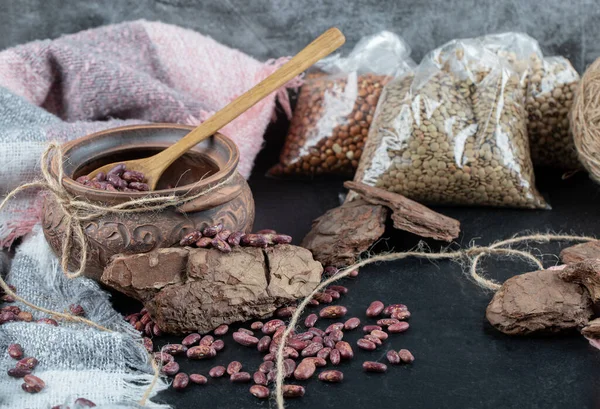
{"points": [[585, 120]]}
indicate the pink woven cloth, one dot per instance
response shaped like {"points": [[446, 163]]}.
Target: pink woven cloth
{"points": [[112, 76]]}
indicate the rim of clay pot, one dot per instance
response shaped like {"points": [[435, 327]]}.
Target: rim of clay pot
{"points": [[115, 196]]}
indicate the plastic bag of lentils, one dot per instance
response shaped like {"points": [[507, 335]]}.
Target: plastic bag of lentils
{"points": [[453, 131], [551, 82], [336, 105]]}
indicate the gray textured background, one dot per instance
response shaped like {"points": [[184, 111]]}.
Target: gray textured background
{"points": [[271, 28]]}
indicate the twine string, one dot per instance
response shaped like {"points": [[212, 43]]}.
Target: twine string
{"points": [[473, 253]]}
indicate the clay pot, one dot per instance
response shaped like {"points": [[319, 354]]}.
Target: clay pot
{"points": [[211, 161]]}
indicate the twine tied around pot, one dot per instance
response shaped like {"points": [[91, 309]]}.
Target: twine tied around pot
{"points": [[77, 211]]}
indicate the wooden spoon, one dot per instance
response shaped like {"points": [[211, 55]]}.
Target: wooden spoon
{"points": [[154, 166]]}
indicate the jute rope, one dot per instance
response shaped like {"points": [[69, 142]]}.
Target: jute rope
{"points": [[585, 120], [473, 253], [78, 211]]}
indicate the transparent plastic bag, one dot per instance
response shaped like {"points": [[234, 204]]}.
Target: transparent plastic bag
{"points": [[551, 82], [336, 106], [453, 132]]}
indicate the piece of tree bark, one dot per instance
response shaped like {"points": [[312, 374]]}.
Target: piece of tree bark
{"points": [[339, 236], [409, 215], [585, 273], [539, 301], [592, 329], [581, 252], [195, 289]]}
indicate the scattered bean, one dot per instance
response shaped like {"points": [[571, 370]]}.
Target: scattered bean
{"points": [[324, 353], [240, 377], [32, 384], [401, 315], [27, 363], [305, 370], [49, 321], [201, 352], [289, 366], [293, 391], [271, 326], [18, 372], [245, 339], [221, 330], [386, 322], [191, 339], [285, 312], [211, 231], [370, 366], [181, 381], [375, 309], [335, 357], [217, 371], [234, 367], [312, 349], [259, 378], [163, 358], [84, 403], [265, 367], [366, 344], [218, 345], [332, 376], [345, 349], [174, 349], [379, 334], [351, 323], [394, 307], [393, 357], [373, 339], [198, 379], [246, 331], [264, 343], [397, 328], [15, 351], [77, 309], [259, 391], [256, 325], [190, 238], [170, 369], [334, 311], [406, 356]]}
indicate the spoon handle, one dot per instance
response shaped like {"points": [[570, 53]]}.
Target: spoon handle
{"points": [[322, 46]]}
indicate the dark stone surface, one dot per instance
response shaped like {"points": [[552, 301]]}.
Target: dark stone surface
{"points": [[272, 28], [461, 361]]}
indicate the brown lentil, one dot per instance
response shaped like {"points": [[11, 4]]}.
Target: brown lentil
{"points": [[432, 164]]}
